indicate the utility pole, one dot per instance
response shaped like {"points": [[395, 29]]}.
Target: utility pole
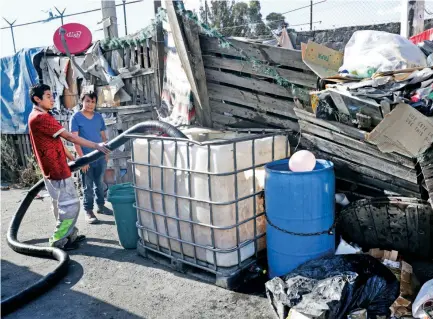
{"points": [[109, 19], [205, 9], [412, 17], [124, 16], [311, 15]]}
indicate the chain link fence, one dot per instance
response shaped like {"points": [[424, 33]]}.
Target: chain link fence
{"points": [[263, 19]]}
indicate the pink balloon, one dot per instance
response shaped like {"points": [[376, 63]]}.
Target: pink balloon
{"points": [[302, 161]]}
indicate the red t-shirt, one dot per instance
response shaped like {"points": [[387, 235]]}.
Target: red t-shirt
{"points": [[47, 145]]}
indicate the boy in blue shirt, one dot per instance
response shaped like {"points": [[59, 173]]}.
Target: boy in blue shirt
{"points": [[90, 125]]}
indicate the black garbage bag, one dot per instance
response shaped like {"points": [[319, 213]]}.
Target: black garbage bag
{"points": [[332, 287]]}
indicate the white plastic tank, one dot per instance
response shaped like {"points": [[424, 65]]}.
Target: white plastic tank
{"points": [[213, 152]]}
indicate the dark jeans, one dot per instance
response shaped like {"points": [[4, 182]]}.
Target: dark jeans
{"points": [[93, 184]]}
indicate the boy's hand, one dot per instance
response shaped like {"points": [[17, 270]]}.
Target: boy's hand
{"points": [[84, 169], [102, 148]]}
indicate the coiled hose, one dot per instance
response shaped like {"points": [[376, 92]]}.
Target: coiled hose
{"points": [[12, 303]]}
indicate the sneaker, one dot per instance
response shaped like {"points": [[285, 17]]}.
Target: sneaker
{"points": [[104, 210], [90, 217]]}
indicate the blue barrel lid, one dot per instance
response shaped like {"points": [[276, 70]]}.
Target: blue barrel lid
{"points": [[282, 167]]}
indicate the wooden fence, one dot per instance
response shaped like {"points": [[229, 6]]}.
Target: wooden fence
{"points": [[140, 80], [243, 96]]}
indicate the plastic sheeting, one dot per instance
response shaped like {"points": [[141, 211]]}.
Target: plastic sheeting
{"points": [[17, 76], [332, 287]]}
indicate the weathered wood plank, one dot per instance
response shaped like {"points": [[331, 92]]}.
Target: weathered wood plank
{"points": [[193, 45], [338, 127], [157, 56], [362, 158], [142, 72], [28, 147], [269, 54], [355, 144], [125, 109], [249, 83], [366, 175], [234, 122], [254, 100], [21, 150], [334, 126], [296, 77], [253, 115], [133, 60], [397, 222], [139, 55], [127, 57], [183, 47]]}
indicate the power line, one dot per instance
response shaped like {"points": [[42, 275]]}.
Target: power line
{"points": [[304, 7], [66, 15]]}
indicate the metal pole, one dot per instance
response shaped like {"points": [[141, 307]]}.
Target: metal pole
{"points": [[311, 15], [124, 16], [11, 25]]}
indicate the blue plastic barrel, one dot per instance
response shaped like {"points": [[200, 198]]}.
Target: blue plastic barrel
{"points": [[301, 203]]}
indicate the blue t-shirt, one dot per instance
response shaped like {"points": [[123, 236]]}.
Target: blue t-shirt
{"points": [[89, 129]]}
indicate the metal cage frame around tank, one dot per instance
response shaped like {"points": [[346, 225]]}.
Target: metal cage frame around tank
{"points": [[255, 134]]}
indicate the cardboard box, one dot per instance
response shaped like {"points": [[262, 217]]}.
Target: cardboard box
{"points": [[403, 130], [323, 61]]}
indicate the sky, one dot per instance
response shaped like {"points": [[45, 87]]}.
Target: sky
{"points": [[326, 14]]}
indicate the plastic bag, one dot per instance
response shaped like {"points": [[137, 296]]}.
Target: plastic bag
{"points": [[425, 294], [368, 52], [332, 287]]}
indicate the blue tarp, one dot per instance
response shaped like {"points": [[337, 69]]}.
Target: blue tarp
{"points": [[17, 75]]}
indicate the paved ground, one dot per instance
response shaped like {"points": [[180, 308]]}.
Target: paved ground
{"points": [[106, 281]]}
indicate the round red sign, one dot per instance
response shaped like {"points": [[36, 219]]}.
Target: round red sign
{"points": [[78, 38]]}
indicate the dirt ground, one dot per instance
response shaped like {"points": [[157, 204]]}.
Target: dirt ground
{"points": [[106, 281]]}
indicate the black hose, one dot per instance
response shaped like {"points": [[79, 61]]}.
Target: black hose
{"points": [[12, 303]]}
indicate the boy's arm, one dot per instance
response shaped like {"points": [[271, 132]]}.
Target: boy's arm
{"points": [[48, 125], [83, 142]]}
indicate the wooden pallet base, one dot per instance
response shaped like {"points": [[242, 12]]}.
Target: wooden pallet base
{"points": [[228, 278]]}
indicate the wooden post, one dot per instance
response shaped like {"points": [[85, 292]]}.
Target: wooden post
{"points": [[412, 17], [158, 57], [194, 71]]}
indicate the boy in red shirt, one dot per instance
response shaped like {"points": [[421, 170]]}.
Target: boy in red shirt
{"points": [[45, 133]]}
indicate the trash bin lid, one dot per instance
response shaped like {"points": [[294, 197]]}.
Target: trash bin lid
{"points": [[121, 193]]}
